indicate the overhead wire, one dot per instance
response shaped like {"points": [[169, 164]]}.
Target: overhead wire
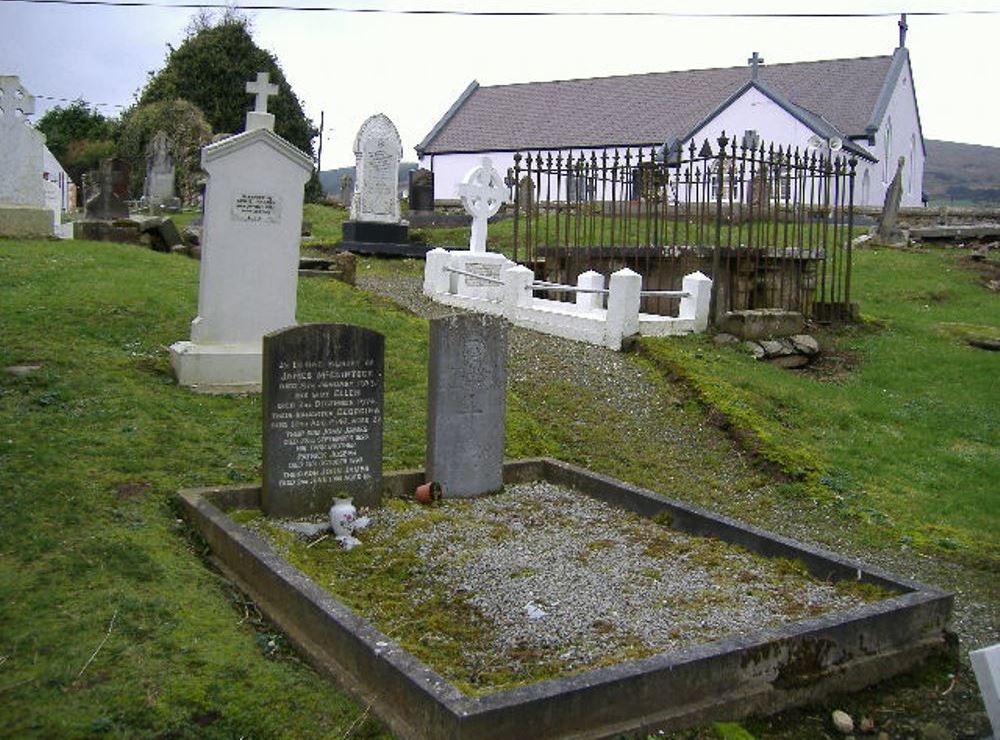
{"points": [[500, 13]]}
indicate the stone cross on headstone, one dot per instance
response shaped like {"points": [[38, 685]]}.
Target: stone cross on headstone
{"points": [[482, 192], [263, 89], [755, 61]]}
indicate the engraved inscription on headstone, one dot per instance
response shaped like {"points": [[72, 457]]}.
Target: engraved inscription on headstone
{"points": [[322, 418], [466, 399], [377, 150], [486, 269], [257, 207]]}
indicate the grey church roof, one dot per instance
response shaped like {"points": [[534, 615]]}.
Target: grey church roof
{"points": [[650, 109]]}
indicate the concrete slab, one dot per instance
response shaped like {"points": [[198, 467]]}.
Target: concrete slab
{"points": [[755, 673]]}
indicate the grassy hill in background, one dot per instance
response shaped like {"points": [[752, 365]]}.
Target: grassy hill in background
{"points": [[962, 173]]}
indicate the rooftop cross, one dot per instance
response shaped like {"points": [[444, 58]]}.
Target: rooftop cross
{"points": [[755, 61], [902, 29], [263, 90]]}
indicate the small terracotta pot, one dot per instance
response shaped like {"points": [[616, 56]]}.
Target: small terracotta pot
{"points": [[428, 492]]}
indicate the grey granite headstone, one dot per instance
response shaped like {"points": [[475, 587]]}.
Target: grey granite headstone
{"points": [[322, 401], [160, 175], [421, 190], [466, 403]]}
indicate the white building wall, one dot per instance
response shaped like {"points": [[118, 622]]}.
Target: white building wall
{"points": [[754, 110], [899, 136], [57, 183], [449, 169]]}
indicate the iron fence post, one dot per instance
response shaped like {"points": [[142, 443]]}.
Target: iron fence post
{"points": [[852, 163], [716, 254]]}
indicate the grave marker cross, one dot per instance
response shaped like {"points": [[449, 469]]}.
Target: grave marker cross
{"points": [[13, 96], [482, 192], [262, 90]]}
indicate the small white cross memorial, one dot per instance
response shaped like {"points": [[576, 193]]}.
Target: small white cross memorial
{"points": [[482, 192], [263, 89]]}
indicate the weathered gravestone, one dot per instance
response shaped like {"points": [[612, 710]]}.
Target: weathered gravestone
{"points": [[322, 399], [22, 195], [346, 189], [887, 232], [375, 226], [249, 255], [111, 181], [421, 190], [159, 188], [525, 193], [466, 403]]}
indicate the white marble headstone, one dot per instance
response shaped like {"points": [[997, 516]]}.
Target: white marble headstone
{"points": [[21, 148], [249, 259], [482, 192], [377, 151]]}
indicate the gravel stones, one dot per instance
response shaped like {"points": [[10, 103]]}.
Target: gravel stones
{"points": [[557, 577]]}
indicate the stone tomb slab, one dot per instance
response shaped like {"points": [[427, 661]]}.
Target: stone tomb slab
{"points": [[466, 403], [322, 400], [757, 672]]}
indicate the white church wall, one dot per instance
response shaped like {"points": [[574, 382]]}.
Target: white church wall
{"points": [[899, 136]]}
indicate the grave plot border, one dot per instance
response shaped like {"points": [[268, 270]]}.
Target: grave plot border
{"points": [[756, 673]]}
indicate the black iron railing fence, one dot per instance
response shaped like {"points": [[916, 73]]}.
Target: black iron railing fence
{"points": [[772, 226]]}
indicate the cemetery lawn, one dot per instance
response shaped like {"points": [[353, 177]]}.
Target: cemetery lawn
{"points": [[898, 428], [113, 622]]}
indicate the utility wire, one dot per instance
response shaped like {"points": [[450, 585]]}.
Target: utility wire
{"points": [[496, 13], [75, 100]]}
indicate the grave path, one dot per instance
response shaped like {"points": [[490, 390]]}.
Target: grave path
{"points": [[650, 432]]}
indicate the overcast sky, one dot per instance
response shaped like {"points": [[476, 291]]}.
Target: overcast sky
{"points": [[413, 67]]}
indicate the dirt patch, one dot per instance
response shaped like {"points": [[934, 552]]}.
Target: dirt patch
{"points": [[832, 366], [132, 489], [988, 271]]}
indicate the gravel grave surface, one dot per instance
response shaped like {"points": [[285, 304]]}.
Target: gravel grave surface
{"points": [[630, 400], [554, 572]]}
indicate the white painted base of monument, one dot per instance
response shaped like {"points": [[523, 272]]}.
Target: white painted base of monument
{"points": [[218, 368], [586, 320], [483, 274], [986, 664]]}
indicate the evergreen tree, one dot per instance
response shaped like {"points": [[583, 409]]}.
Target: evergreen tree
{"points": [[211, 68]]}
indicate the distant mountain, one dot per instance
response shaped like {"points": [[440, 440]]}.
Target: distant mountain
{"points": [[330, 179], [962, 173]]}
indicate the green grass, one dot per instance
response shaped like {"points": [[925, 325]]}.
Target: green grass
{"points": [[111, 623], [93, 449], [909, 441]]}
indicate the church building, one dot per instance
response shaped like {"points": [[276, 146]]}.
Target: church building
{"points": [[864, 107]]}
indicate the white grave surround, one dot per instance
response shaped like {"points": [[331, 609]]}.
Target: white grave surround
{"points": [[986, 665], [249, 260], [486, 282], [596, 318], [22, 151]]}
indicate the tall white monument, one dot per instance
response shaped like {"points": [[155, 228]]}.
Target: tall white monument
{"points": [[482, 192], [250, 253], [22, 153]]}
